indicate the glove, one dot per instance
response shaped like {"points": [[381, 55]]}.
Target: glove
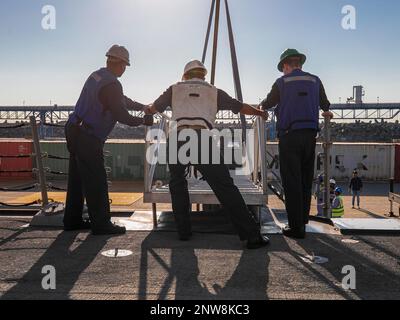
{"points": [[148, 120]]}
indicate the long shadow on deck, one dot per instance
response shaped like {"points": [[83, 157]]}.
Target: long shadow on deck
{"points": [[69, 265]]}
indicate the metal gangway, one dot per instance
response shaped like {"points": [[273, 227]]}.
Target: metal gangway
{"points": [[252, 186]]}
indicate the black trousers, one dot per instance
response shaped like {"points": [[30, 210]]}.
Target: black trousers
{"points": [[87, 179], [220, 181], [297, 159]]}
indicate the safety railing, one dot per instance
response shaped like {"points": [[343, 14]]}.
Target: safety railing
{"points": [[40, 171], [258, 176], [327, 145]]}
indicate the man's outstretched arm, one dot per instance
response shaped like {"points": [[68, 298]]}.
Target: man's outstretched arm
{"points": [[248, 110], [226, 102], [112, 98], [161, 104]]}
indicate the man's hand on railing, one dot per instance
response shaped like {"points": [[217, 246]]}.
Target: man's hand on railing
{"points": [[150, 110], [148, 120], [327, 114], [251, 111]]}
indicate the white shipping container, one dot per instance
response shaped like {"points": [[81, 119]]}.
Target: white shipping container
{"points": [[374, 161]]}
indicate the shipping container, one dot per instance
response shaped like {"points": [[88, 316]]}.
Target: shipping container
{"points": [[373, 161], [125, 158], [16, 168]]}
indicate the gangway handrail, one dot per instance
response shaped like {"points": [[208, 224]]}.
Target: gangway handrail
{"points": [[260, 154], [150, 168]]}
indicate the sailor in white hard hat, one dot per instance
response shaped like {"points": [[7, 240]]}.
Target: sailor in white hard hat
{"points": [[100, 106], [195, 104]]}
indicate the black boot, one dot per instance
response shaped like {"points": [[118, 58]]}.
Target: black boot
{"points": [[185, 237], [83, 225], [257, 242], [296, 233], [110, 229]]}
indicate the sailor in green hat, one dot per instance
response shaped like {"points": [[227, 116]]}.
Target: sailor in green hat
{"points": [[297, 97], [291, 53]]}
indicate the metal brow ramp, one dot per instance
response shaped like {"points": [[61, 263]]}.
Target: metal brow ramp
{"points": [[252, 187]]}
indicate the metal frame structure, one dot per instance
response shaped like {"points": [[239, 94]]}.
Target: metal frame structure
{"points": [[365, 111], [254, 188]]}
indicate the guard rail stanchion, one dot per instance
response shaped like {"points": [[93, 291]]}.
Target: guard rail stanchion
{"points": [[39, 163], [327, 148], [391, 189]]}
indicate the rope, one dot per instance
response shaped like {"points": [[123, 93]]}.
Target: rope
{"points": [[16, 171], [49, 156], [15, 126], [15, 156], [20, 205], [50, 186], [25, 188], [52, 125], [58, 173]]}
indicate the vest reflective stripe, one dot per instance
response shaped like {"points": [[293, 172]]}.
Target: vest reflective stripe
{"points": [[300, 78], [338, 212], [89, 111], [194, 103]]}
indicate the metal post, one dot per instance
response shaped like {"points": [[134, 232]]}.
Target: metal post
{"points": [[327, 146], [235, 69], [391, 213], [263, 154], [256, 153], [39, 163], [42, 128], [215, 45], [155, 220], [203, 59], [146, 168]]}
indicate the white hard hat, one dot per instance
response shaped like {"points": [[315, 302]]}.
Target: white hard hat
{"points": [[332, 181], [119, 52], [194, 64]]}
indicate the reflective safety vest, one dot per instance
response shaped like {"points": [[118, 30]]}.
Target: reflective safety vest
{"points": [[338, 212], [194, 103], [299, 102], [89, 111]]}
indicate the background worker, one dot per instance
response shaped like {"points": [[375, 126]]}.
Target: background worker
{"points": [[332, 188], [195, 104], [355, 187], [100, 106], [338, 204], [297, 96]]}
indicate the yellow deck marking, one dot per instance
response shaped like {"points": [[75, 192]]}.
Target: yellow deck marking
{"points": [[118, 199]]}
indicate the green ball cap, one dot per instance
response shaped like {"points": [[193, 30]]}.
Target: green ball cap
{"points": [[291, 53]]}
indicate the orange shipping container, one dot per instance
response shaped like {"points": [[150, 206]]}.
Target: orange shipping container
{"points": [[9, 167]]}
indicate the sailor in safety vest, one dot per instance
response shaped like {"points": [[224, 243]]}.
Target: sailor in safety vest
{"points": [[195, 104], [338, 204], [100, 106], [297, 96]]}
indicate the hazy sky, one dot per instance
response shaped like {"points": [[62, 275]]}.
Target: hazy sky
{"points": [[38, 65]]}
